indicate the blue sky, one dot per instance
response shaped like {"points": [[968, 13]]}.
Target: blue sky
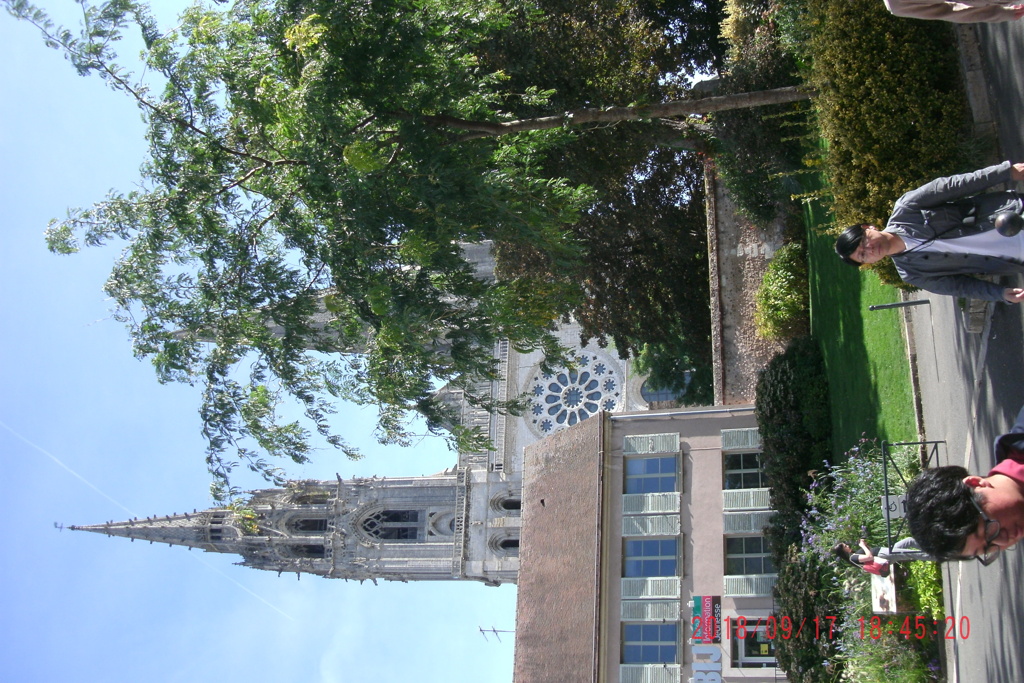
{"points": [[88, 435]]}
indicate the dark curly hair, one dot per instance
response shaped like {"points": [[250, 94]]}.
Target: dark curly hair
{"points": [[940, 513]]}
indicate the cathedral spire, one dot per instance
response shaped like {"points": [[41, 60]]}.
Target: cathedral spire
{"points": [[397, 529], [185, 529]]}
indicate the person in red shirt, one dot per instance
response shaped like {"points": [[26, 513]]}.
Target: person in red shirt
{"points": [[865, 560], [955, 515]]}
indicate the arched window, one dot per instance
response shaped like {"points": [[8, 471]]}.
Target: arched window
{"points": [[507, 503], [504, 543], [394, 525], [652, 395], [310, 526]]}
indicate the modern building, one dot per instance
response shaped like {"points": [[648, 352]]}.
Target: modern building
{"points": [[642, 559]]}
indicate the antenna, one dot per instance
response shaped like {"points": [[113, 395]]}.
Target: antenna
{"points": [[485, 631], [58, 527]]}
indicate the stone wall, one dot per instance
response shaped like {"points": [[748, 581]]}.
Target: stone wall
{"points": [[739, 253]]}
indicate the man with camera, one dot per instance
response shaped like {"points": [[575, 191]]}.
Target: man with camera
{"points": [[963, 12], [945, 232]]}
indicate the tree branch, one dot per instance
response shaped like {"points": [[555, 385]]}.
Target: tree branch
{"points": [[579, 117]]}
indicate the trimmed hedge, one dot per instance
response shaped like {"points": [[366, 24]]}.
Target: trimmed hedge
{"points": [[890, 104], [793, 415]]}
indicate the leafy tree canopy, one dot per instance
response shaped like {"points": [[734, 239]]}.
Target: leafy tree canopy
{"points": [[314, 168]]}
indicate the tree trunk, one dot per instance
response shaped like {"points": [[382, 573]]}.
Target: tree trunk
{"points": [[578, 117]]}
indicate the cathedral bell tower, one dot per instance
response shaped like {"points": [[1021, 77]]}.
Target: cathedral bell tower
{"points": [[398, 529]]}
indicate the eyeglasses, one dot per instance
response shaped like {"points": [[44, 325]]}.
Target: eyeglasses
{"points": [[992, 529]]}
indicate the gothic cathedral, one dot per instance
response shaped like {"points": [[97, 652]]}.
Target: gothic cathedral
{"points": [[462, 523]]}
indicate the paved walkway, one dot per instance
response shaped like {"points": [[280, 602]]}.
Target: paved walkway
{"points": [[971, 387]]}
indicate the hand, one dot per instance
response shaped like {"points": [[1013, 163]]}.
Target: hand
{"points": [[1017, 170], [1018, 11], [1013, 295]]}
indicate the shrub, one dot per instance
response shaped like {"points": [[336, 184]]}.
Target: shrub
{"points": [[890, 104], [781, 300], [791, 405], [804, 590], [925, 578]]}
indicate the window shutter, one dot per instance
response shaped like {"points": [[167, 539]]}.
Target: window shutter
{"points": [[649, 673], [750, 586], [646, 503], [650, 610], [651, 587], [642, 444], [746, 499], [745, 522], [650, 525], [741, 439]]}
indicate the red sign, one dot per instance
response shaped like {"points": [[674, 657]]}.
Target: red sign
{"points": [[707, 619]]}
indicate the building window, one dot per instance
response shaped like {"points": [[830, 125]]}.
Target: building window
{"points": [[744, 471], [508, 504], [747, 555], [674, 394], [310, 526], [754, 650], [651, 475], [509, 546], [561, 398], [649, 643], [654, 557], [393, 525]]}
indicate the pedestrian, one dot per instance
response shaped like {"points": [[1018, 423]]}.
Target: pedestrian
{"points": [[955, 515], [963, 12], [866, 560], [945, 232]]}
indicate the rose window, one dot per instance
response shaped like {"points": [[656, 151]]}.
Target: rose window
{"points": [[565, 397]]}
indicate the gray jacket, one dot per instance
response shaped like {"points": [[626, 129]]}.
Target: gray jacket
{"points": [[947, 208], [962, 12]]}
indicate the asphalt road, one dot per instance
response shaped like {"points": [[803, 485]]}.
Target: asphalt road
{"points": [[972, 385]]}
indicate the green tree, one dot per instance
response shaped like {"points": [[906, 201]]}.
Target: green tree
{"points": [[314, 167], [643, 261]]}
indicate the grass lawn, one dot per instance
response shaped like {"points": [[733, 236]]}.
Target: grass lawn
{"points": [[865, 352]]}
